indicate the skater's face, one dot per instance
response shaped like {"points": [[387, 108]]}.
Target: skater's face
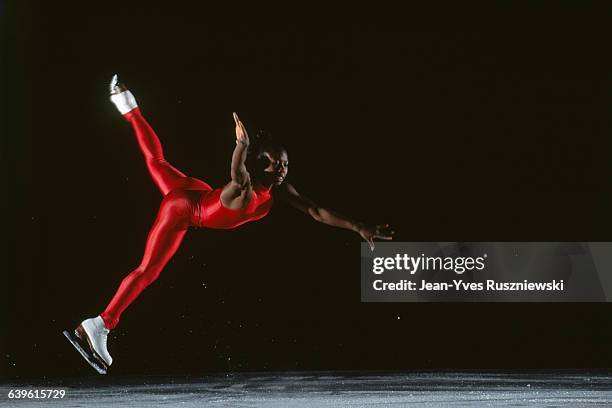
{"points": [[274, 165]]}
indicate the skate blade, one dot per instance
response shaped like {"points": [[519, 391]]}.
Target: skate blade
{"points": [[76, 342]]}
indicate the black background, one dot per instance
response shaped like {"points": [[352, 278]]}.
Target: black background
{"points": [[452, 124]]}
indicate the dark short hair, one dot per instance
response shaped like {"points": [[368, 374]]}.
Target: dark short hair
{"points": [[262, 141]]}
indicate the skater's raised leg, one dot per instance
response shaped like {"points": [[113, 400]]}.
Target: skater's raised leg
{"points": [[165, 176], [163, 173]]}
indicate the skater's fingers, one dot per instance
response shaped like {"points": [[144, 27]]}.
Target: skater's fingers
{"points": [[371, 243], [386, 237], [236, 118], [238, 122]]}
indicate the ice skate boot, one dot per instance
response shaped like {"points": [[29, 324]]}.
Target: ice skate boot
{"points": [[90, 340], [122, 98]]}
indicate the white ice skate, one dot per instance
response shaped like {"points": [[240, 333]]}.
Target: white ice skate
{"points": [[95, 333], [121, 96], [89, 339]]}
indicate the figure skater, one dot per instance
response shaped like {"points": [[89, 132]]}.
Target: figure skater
{"points": [[258, 173]]}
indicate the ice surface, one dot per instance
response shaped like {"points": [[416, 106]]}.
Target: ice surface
{"points": [[328, 389]]}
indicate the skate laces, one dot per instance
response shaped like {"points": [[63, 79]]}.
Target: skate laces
{"points": [[103, 333], [104, 337]]}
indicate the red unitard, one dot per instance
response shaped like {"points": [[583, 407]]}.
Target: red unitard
{"points": [[188, 202]]}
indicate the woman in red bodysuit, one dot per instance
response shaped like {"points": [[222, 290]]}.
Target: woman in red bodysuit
{"points": [[190, 202]]}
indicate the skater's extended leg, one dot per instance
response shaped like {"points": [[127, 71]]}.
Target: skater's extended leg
{"points": [[163, 173], [166, 176], [163, 241]]}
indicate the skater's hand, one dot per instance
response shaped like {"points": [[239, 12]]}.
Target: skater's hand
{"points": [[371, 232], [241, 134]]}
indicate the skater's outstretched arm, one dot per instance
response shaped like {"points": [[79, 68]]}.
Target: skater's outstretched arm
{"points": [[289, 194]]}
